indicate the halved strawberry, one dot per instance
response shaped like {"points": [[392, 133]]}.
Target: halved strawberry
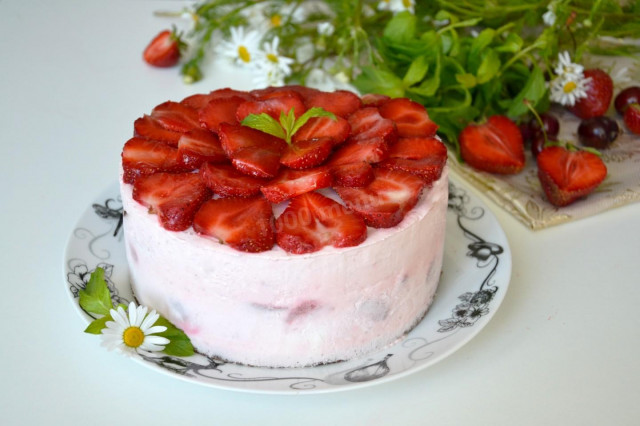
{"points": [[224, 180], [369, 151], [307, 153], [324, 127], [175, 198], [313, 221], [424, 157], [141, 157], [199, 146], [251, 151], [175, 116], [367, 123], [632, 118], [341, 102], [245, 224], [272, 106], [374, 100], [385, 201], [200, 100], [148, 128], [290, 183], [410, 117], [495, 146], [599, 94], [163, 51], [221, 110], [569, 175], [352, 174]]}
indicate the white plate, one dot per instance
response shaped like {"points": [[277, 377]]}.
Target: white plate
{"points": [[475, 277]]}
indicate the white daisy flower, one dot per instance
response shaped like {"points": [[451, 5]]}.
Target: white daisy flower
{"points": [[325, 28], [271, 64], [566, 68], [549, 18], [293, 12], [242, 48], [566, 90], [397, 6], [133, 330]]}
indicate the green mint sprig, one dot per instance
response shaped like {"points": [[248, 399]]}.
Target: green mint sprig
{"points": [[95, 298], [288, 125]]}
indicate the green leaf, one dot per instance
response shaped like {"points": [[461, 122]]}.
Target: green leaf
{"points": [[98, 325], [467, 80], [489, 66], [265, 123], [374, 80], [179, 343], [512, 44], [416, 72], [309, 114], [401, 27], [534, 90], [95, 297]]}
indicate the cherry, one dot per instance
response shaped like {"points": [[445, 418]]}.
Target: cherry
{"points": [[598, 132], [537, 144], [630, 95], [530, 129]]}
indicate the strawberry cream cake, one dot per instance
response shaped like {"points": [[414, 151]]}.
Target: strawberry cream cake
{"points": [[286, 227]]}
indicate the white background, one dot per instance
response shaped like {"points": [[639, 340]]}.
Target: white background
{"points": [[562, 349]]}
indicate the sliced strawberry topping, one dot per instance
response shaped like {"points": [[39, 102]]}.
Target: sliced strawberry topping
{"points": [[290, 183], [324, 127], [224, 180], [176, 116], [374, 100], [307, 153], [341, 102], [198, 146], [304, 92], [424, 157], [352, 174], [200, 100], [313, 221], [410, 117], [148, 128], [175, 198], [221, 110], [141, 157], [385, 201], [245, 224], [252, 152], [367, 123], [196, 101], [369, 151], [272, 106]]}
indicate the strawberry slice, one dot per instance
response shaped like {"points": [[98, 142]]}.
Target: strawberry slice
{"points": [[324, 127], [374, 100], [291, 183], [141, 157], [245, 224], [352, 174], [424, 157], [221, 110], [224, 180], [175, 116], [251, 151], [313, 221], [367, 123], [569, 175], [148, 128], [495, 146], [272, 106], [370, 151], [410, 117], [198, 146], [386, 200], [200, 100], [304, 92], [175, 198], [163, 51], [341, 102], [307, 153], [599, 94]]}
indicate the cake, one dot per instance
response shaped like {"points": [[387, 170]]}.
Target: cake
{"points": [[286, 254]]}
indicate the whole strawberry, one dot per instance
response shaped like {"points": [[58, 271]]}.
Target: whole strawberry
{"points": [[495, 146], [567, 175], [164, 50], [632, 118], [599, 94]]}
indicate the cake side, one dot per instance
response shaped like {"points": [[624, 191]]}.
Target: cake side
{"points": [[277, 309]]}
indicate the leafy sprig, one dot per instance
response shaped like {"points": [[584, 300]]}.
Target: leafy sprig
{"points": [[95, 298], [288, 124]]}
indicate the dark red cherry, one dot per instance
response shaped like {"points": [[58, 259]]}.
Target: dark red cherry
{"points": [[598, 132], [537, 144], [531, 129], [630, 95]]}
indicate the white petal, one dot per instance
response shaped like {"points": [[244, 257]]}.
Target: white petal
{"points": [[155, 329], [149, 321], [120, 316], [156, 340], [133, 313], [141, 312]]}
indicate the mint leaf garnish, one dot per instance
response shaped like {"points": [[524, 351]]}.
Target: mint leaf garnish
{"points": [[96, 326], [96, 298], [288, 124], [179, 343]]}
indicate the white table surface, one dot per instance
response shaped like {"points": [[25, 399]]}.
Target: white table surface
{"points": [[562, 349]]}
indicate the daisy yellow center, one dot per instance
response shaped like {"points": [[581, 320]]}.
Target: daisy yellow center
{"points": [[273, 58], [276, 20], [243, 54], [406, 3], [133, 337], [569, 87]]}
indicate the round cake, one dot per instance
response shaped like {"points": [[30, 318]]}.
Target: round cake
{"points": [[282, 248]]}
